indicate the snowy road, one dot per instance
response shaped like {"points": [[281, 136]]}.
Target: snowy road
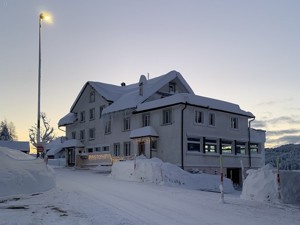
{"points": [[86, 197]]}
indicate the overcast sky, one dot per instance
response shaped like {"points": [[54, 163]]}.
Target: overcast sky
{"points": [[245, 52]]}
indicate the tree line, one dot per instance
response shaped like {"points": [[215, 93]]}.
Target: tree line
{"points": [[8, 131]]}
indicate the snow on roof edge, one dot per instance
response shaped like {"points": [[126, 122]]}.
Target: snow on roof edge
{"points": [[184, 98], [67, 119], [147, 131]]}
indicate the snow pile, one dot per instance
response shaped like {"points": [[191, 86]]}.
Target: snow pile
{"points": [[155, 171], [260, 185], [23, 174]]}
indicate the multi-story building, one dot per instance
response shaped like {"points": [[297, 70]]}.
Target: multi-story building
{"points": [[162, 117]]}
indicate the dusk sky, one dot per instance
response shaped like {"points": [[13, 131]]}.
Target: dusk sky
{"points": [[245, 52]]}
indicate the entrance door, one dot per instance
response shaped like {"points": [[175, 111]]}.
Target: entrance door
{"points": [[141, 148], [71, 157], [234, 174]]}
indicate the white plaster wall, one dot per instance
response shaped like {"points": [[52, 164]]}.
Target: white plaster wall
{"points": [[221, 130], [169, 141]]}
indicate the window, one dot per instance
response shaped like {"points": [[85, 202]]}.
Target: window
{"points": [[92, 134], [172, 87], [97, 149], [92, 114], [117, 149], [226, 147], [74, 135], [92, 96], [127, 148], [212, 119], [199, 119], [254, 148], [146, 120], [90, 150], [82, 116], [193, 144], [240, 148], [127, 123], [234, 123], [210, 146], [105, 148], [82, 135], [108, 125], [154, 145], [167, 116], [100, 111]]}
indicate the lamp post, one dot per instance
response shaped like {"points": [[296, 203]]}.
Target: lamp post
{"points": [[46, 17]]}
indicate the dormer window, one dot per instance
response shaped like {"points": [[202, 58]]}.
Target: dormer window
{"points": [[172, 87]]}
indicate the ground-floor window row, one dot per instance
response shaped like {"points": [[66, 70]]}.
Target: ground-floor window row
{"points": [[221, 146], [123, 148], [118, 149]]}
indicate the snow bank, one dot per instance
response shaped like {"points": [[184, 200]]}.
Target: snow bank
{"points": [[155, 171], [260, 185], [23, 174]]}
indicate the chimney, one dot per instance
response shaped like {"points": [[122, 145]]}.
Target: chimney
{"points": [[142, 82]]}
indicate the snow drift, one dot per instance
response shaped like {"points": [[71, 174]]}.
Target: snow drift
{"points": [[155, 171], [23, 174], [261, 185]]}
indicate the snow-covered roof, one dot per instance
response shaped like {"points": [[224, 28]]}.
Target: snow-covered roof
{"points": [[56, 143], [54, 150], [108, 91], [258, 135], [18, 145], [72, 143], [196, 100], [130, 98], [67, 119], [143, 132]]}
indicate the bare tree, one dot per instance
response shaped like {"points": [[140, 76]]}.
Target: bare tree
{"points": [[47, 134]]}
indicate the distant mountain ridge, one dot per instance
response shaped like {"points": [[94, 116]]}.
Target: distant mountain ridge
{"points": [[288, 155]]}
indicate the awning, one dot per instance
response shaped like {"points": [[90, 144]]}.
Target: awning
{"points": [[67, 119], [72, 143], [53, 151], [143, 132]]}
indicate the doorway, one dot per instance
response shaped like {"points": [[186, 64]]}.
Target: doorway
{"points": [[71, 157], [141, 148], [234, 174]]}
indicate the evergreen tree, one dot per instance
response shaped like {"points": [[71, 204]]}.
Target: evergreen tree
{"points": [[7, 131]]}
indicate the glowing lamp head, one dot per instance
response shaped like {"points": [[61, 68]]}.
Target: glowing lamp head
{"points": [[46, 17]]}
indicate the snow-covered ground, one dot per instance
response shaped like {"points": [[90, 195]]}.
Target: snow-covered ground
{"points": [[86, 197]]}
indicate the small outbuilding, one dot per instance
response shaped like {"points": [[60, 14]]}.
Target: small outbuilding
{"points": [[23, 146]]}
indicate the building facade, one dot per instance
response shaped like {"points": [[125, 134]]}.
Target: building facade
{"points": [[163, 118]]}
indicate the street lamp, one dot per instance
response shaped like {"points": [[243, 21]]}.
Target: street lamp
{"points": [[47, 18]]}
